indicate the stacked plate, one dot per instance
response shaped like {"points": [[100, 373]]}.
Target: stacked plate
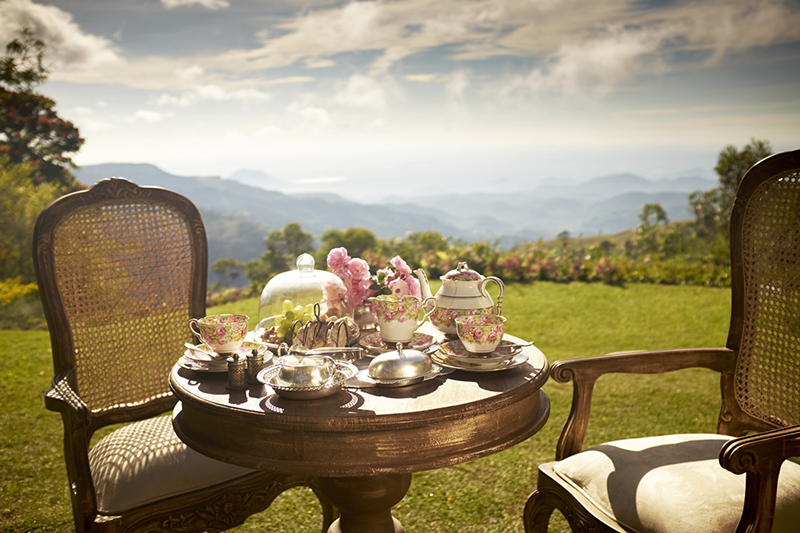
{"points": [[202, 360], [453, 354]]}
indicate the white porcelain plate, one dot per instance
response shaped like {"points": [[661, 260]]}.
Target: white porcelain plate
{"points": [[456, 351], [447, 362]]}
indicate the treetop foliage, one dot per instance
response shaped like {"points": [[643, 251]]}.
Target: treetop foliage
{"points": [[31, 132]]}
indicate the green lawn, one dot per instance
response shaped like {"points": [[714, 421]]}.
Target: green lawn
{"points": [[487, 495]]}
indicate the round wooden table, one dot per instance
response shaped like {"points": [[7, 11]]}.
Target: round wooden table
{"points": [[363, 444]]}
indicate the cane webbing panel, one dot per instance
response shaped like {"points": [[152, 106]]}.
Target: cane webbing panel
{"points": [[768, 369], [124, 273]]}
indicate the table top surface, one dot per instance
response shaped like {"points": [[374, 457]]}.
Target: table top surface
{"points": [[449, 419]]}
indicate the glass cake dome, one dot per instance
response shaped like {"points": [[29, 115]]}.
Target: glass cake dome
{"points": [[292, 295]]}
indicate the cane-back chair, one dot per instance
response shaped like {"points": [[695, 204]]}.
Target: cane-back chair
{"points": [[689, 482], [121, 269]]}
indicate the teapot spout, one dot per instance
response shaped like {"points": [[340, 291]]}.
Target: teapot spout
{"points": [[424, 286]]}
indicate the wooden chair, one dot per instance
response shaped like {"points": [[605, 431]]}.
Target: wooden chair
{"points": [[121, 269], [688, 483]]}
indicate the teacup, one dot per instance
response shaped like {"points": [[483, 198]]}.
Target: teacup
{"points": [[398, 315], [306, 371], [480, 333], [222, 333]]}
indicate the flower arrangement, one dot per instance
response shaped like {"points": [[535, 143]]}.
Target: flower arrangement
{"points": [[396, 278], [354, 273]]}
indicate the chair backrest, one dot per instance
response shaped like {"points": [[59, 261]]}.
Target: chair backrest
{"points": [[765, 324], [121, 269]]}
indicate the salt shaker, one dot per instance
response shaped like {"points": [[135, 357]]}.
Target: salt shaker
{"points": [[255, 363], [237, 373]]}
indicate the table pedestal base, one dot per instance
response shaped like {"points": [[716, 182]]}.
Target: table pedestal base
{"points": [[366, 502]]}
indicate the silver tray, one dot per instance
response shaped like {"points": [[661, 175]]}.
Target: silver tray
{"points": [[363, 379], [344, 371]]}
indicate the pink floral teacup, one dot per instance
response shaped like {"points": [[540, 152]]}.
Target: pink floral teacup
{"points": [[398, 315], [222, 333], [480, 333]]}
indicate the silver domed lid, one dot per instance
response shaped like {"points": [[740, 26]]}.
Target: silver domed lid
{"points": [[400, 364]]}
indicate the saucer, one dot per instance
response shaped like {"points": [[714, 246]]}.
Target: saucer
{"points": [[456, 351], [244, 350], [447, 362], [197, 366], [374, 345]]}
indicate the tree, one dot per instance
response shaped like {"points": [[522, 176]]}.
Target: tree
{"points": [[712, 209], [732, 165], [20, 204], [283, 247], [650, 218], [228, 268], [31, 132], [356, 240]]}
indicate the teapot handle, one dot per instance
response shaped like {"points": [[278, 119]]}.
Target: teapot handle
{"points": [[430, 300], [499, 307]]}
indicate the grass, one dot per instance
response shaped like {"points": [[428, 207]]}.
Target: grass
{"points": [[487, 495]]}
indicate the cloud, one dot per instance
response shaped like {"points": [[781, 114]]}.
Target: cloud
{"points": [[365, 92], [208, 4], [67, 45], [213, 93], [456, 86], [315, 117], [145, 115], [594, 66]]}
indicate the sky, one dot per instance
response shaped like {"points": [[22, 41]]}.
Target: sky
{"points": [[405, 97]]}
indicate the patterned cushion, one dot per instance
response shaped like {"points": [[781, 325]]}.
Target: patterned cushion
{"points": [[145, 462], [672, 483]]}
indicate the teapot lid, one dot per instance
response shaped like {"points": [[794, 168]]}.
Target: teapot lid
{"points": [[462, 272]]}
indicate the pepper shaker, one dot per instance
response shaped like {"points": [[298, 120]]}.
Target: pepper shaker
{"points": [[255, 363], [237, 373]]}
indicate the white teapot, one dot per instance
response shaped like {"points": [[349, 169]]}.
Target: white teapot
{"points": [[463, 292]]}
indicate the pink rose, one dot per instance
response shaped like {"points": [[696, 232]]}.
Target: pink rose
{"points": [[400, 265], [337, 259], [413, 286], [358, 268], [399, 287]]}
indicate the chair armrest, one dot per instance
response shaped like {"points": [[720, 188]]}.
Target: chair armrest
{"points": [[62, 398], [585, 372], [760, 457]]}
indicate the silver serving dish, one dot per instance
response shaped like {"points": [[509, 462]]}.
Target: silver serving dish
{"points": [[365, 380], [342, 372], [400, 365]]}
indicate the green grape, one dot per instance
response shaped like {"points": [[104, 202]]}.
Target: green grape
{"points": [[282, 330], [306, 318], [289, 315], [309, 309], [278, 320], [286, 306]]}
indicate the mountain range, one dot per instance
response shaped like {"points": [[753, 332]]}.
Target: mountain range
{"points": [[240, 210]]}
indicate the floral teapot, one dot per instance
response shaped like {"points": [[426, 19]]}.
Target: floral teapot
{"points": [[463, 292]]}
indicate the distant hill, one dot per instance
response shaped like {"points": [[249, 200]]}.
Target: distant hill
{"points": [[239, 215]]}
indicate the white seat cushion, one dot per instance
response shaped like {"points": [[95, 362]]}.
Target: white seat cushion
{"points": [[146, 461], [672, 484]]}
